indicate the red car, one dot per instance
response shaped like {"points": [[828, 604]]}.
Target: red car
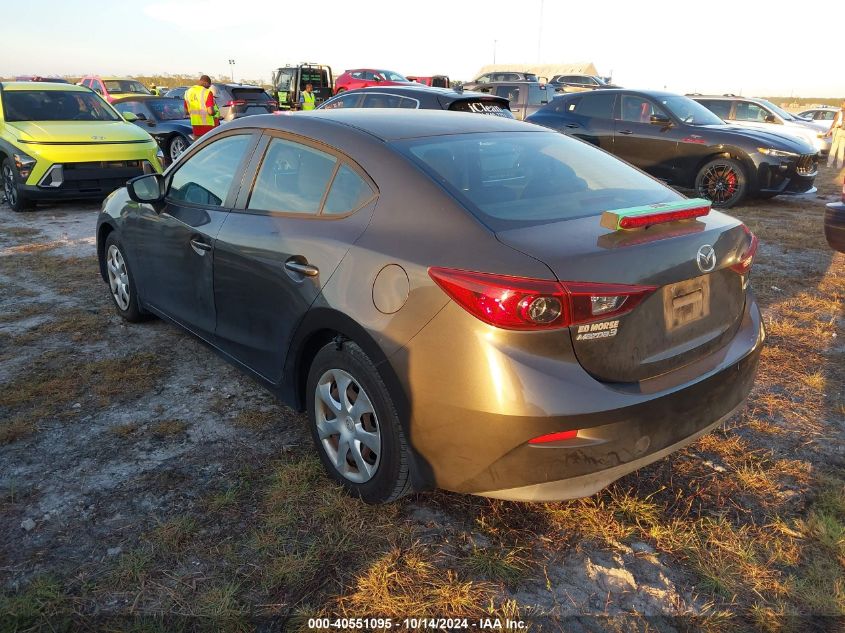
{"points": [[366, 77]]}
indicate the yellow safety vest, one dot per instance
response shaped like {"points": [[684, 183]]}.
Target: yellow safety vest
{"points": [[308, 100], [196, 97]]}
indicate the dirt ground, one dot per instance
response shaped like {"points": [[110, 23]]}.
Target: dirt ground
{"points": [[147, 484]]}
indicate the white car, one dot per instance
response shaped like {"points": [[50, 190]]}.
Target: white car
{"points": [[821, 116], [765, 115]]}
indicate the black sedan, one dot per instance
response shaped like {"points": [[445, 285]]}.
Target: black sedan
{"points": [[461, 301], [165, 119], [684, 144], [834, 223], [420, 98]]}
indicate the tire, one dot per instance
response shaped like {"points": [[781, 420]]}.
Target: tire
{"points": [[175, 146], [121, 282], [15, 198], [339, 90], [338, 423], [723, 182]]}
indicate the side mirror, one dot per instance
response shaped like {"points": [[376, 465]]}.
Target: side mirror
{"points": [[147, 188], [130, 117], [660, 119], [771, 118]]}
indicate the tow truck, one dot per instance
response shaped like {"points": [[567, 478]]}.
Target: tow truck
{"points": [[289, 81]]}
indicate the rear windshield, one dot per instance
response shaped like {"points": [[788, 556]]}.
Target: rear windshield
{"points": [[389, 75], [132, 87], [482, 106], [55, 105], [514, 179], [250, 94]]}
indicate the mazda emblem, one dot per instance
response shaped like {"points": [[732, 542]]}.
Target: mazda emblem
{"points": [[706, 258]]}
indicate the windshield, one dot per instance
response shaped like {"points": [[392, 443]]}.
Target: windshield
{"points": [[389, 75], [780, 112], [167, 109], [118, 86], [689, 111], [284, 78], [514, 179], [55, 105]]}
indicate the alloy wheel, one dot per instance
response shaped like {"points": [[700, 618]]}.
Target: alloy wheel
{"points": [[9, 188], [347, 426], [118, 277], [720, 183], [177, 146]]}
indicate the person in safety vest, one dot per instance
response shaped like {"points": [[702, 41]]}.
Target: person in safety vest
{"points": [[307, 98], [199, 102]]}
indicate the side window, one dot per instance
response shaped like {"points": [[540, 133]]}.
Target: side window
{"points": [[292, 178], [379, 100], [567, 105], [599, 106], [368, 76], [638, 109], [86, 83], [721, 109], [349, 192], [483, 79], [826, 115], [357, 74], [590, 81], [747, 111], [410, 104], [205, 178], [509, 92], [343, 101], [96, 86]]}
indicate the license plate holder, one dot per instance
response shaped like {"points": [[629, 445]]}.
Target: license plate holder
{"points": [[686, 302]]}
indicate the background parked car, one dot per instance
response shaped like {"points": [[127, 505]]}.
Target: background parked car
{"points": [[435, 81], [53, 80], [237, 100], [420, 97], [164, 119], [110, 88], [176, 93], [524, 97], [364, 77], [764, 115], [289, 82], [59, 141], [579, 83], [683, 143], [834, 223], [495, 77], [820, 113]]}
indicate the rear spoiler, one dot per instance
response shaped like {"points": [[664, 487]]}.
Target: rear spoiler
{"points": [[648, 215]]}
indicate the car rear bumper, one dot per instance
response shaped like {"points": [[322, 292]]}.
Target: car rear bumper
{"points": [[834, 226], [621, 427]]}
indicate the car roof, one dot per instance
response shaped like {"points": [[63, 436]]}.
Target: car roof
{"points": [[419, 89], [138, 98], [647, 93], [387, 124], [235, 85], [41, 85]]}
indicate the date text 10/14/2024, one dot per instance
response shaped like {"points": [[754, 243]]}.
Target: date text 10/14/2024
{"points": [[480, 624]]}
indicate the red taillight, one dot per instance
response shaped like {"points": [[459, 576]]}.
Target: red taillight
{"points": [[554, 437], [517, 303], [639, 221], [236, 102], [745, 261]]}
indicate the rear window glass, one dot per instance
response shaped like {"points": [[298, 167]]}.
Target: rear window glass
{"points": [[383, 100], [118, 86], [482, 106], [55, 105], [521, 179], [250, 94]]}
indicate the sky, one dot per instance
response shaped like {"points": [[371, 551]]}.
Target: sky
{"points": [[749, 47]]}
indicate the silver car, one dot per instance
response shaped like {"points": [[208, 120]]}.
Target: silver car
{"points": [[763, 114]]}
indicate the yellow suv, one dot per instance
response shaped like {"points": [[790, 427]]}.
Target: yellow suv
{"points": [[63, 141]]}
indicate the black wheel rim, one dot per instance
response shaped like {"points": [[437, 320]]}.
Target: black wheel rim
{"points": [[9, 188], [720, 183]]}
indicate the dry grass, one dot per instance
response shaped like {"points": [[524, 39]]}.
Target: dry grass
{"points": [[255, 419], [168, 428], [16, 428]]}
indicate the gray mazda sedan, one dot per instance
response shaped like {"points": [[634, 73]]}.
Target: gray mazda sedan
{"points": [[458, 301]]}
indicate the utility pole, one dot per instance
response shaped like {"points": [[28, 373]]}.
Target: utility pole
{"points": [[494, 50], [540, 33], [232, 68]]}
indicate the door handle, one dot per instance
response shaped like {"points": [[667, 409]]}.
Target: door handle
{"points": [[303, 269], [626, 132], [200, 247], [572, 125]]}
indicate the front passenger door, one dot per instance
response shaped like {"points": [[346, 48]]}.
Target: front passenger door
{"points": [[650, 146], [175, 245]]}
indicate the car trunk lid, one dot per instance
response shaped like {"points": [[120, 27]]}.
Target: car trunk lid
{"points": [[692, 310]]}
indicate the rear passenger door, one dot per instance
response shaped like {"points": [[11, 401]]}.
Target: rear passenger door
{"points": [[650, 146], [288, 233], [590, 118]]}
